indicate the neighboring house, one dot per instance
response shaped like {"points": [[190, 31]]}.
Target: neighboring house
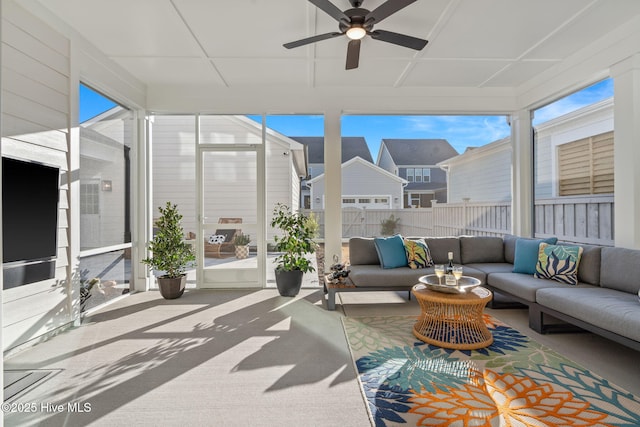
{"points": [[103, 143], [227, 175], [364, 185], [573, 156], [352, 146], [415, 160]]}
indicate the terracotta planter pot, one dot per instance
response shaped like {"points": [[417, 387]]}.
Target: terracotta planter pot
{"points": [[172, 288], [289, 282]]}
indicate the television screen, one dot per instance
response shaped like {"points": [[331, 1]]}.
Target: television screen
{"points": [[29, 210]]}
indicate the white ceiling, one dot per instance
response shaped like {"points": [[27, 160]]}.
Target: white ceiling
{"points": [[238, 43]]}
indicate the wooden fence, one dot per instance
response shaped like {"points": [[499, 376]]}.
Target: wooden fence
{"points": [[587, 220]]}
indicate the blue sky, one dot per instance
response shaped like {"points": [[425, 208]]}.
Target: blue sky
{"points": [[460, 131]]}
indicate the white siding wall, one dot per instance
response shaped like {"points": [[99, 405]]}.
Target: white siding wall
{"points": [[174, 170], [35, 116], [484, 175], [386, 162], [360, 179], [592, 120]]}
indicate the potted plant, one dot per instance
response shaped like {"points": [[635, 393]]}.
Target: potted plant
{"points": [[388, 226], [170, 253], [241, 242], [296, 241]]}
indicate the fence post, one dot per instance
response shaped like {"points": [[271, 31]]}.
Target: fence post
{"points": [[465, 216]]}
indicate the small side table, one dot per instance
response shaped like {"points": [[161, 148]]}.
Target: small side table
{"points": [[452, 320]]}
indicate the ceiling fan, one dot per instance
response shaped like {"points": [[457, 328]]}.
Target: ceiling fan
{"points": [[358, 22]]}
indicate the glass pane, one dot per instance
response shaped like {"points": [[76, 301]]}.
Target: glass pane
{"points": [[230, 209], [230, 130], [106, 130], [104, 277], [573, 171]]}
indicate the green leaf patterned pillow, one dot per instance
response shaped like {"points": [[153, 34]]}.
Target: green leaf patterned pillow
{"points": [[559, 263], [418, 254]]}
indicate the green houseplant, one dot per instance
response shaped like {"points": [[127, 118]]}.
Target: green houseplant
{"points": [[295, 242], [170, 253], [388, 226], [241, 242]]}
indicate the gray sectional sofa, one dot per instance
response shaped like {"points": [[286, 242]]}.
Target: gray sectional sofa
{"points": [[605, 300]]}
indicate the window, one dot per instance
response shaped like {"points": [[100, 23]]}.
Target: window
{"points": [[364, 200], [426, 175], [89, 199], [586, 166], [381, 200], [349, 201], [410, 174], [418, 174]]}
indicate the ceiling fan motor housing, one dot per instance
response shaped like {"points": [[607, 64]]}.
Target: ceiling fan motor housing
{"points": [[357, 17]]}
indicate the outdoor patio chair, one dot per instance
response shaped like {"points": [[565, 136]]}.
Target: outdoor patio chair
{"points": [[221, 242]]}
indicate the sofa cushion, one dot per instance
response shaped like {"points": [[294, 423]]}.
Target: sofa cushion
{"points": [[589, 268], [620, 269], [559, 263], [526, 254], [375, 276], [509, 241], [391, 251], [491, 267], [418, 254], [362, 250], [481, 249], [522, 286], [608, 309], [441, 246]]}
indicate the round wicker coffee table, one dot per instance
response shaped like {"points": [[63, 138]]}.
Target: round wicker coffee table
{"points": [[452, 320]]}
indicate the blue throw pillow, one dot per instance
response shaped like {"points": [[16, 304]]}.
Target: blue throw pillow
{"points": [[526, 254], [391, 251]]}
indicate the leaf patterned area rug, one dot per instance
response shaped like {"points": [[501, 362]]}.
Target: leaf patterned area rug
{"points": [[513, 382]]}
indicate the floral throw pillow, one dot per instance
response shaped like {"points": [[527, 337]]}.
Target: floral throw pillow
{"points": [[418, 254], [559, 263]]}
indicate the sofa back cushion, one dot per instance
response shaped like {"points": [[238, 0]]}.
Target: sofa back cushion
{"points": [[441, 246], [362, 251], [620, 269], [589, 267], [481, 249], [509, 241]]}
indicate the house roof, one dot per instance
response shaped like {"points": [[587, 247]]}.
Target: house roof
{"points": [[367, 163], [352, 146], [406, 152]]}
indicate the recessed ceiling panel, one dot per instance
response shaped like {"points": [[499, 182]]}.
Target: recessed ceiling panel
{"points": [[245, 28], [503, 29], [371, 72], [517, 73], [128, 27], [267, 72], [594, 23], [452, 73], [171, 70]]}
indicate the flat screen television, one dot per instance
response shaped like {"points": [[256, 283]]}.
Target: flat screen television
{"points": [[30, 193]]}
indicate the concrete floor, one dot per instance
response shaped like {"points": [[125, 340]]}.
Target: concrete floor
{"points": [[235, 358]]}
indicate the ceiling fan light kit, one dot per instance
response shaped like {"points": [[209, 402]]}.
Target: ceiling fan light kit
{"points": [[356, 23]]}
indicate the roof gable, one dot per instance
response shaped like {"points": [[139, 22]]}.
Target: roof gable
{"points": [[419, 151], [352, 146], [359, 160]]}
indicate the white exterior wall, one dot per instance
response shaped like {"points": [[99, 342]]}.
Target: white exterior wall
{"points": [[483, 175], [592, 120], [385, 161], [174, 170], [36, 92], [359, 179]]}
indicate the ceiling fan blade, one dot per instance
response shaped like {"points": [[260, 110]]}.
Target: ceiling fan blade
{"points": [[312, 39], [330, 9], [353, 54], [399, 39], [386, 9]]}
